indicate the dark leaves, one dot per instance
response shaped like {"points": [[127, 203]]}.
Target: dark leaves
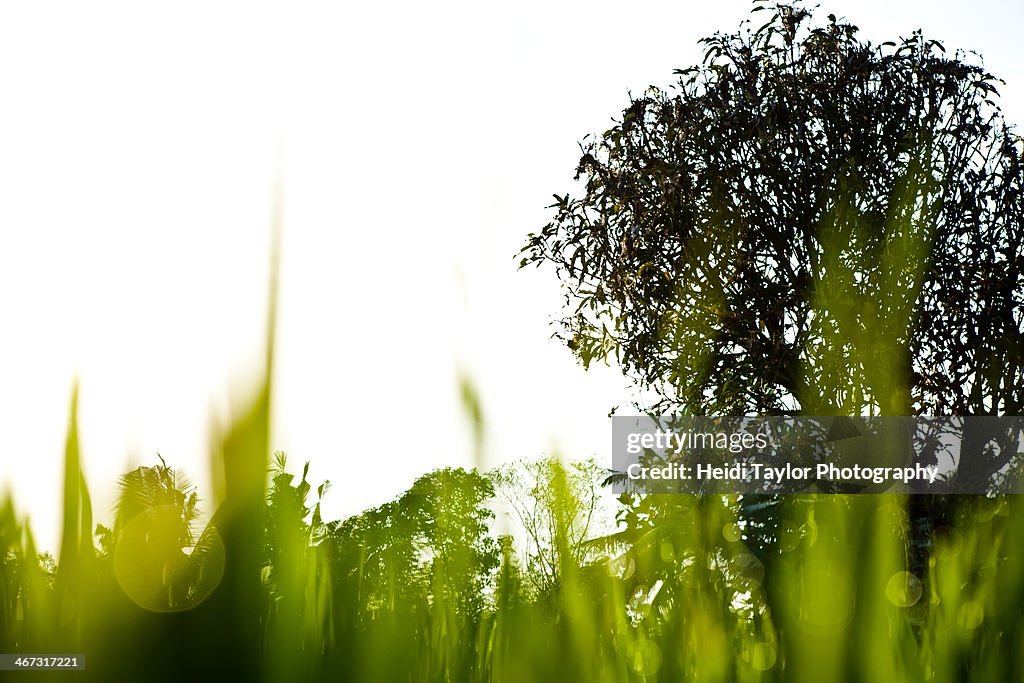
{"points": [[704, 211]]}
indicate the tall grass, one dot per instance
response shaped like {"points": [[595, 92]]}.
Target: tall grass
{"points": [[689, 588], [681, 593]]}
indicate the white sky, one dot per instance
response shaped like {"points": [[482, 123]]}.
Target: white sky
{"points": [[422, 141]]}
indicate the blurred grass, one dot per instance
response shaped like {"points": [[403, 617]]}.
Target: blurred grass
{"points": [[420, 589], [679, 596]]}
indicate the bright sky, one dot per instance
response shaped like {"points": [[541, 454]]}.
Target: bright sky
{"points": [[421, 142]]}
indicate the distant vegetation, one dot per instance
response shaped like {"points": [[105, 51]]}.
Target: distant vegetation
{"points": [[424, 588]]}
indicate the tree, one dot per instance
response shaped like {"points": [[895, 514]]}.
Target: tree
{"points": [[158, 559], [431, 546], [557, 508], [448, 507], [145, 488], [378, 559], [805, 223]]}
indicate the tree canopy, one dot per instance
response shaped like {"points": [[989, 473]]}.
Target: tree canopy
{"points": [[807, 222]]}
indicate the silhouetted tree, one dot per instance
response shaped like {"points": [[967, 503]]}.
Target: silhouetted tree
{"points": [[449, 510], [145, 488], [158, 558], [430, 546], [806, 223], [557, 509]]}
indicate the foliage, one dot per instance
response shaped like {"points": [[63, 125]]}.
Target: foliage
{"points": [[558, 508], [805, 222], [418, 589], [145, 488], [403, 592], [681, 597], [432, 545]]}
